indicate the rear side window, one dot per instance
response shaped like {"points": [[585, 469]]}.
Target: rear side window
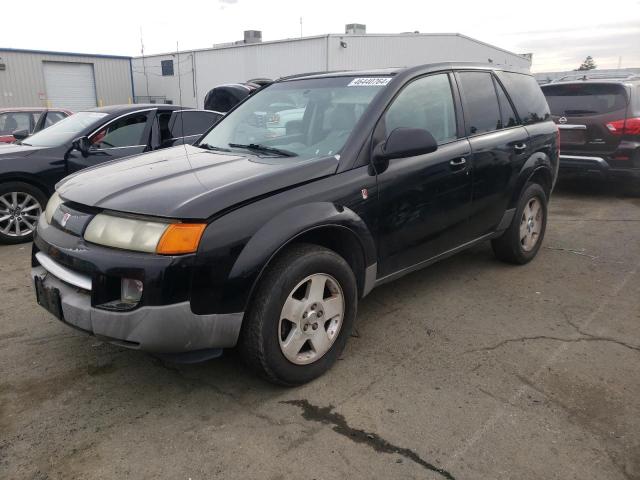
{"points": [[481, 110], [527, 97], [506, 110], [425, 103], [192, 123], [585, 99]]}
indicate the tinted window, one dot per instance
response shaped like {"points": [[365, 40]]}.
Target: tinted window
{"points": [[12, 121], [481, 110], [527, 97], [125, 132], [193, 123], [167, 67], [426, 103], [585, 99], [53, 117], [506, 110]]}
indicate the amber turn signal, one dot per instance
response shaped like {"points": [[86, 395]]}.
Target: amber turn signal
{"points": [[180, 238]]}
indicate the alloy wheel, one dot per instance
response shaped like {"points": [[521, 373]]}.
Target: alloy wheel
{"points": [[311, 319], [531, 224], [19, 212]]}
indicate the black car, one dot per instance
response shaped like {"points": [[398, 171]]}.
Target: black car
{"points": [[599, 121], [30, 170], [267, 239]]}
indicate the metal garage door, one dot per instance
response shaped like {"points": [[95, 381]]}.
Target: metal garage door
{"points": [[70, 85]]}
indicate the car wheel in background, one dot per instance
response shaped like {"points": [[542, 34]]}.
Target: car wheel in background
{"points": [[301, 315], [522, 240], [20, 206]]}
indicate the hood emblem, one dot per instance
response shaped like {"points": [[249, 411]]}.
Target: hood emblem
{"points": [[562, 120], [365, 193], [65, 219]]}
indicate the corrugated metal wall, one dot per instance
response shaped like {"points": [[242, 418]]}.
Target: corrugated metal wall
{"points": [[202, 70], [22, 82], [380, 51]]}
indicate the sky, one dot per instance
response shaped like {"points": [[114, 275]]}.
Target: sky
{"points": [[559, 33]]}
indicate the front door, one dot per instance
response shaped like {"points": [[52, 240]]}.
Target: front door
{"points": [[119, 138], [424, 200]]}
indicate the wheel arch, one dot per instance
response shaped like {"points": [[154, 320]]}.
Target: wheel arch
{"points": [[537, 169], [28, 179]]}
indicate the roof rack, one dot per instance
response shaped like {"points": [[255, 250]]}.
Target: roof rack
{"points": [[597, 76]]}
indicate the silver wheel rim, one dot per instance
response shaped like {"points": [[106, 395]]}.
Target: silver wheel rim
{"points": [[311, 319], [531, 224], [19, 212]]}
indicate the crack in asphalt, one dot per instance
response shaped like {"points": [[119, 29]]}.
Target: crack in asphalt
{"points": [[587, 338], [326, 416]]}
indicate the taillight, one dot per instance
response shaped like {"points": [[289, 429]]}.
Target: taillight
{"points": [[630, 126]]}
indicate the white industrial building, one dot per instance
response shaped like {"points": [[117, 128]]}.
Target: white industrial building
{"points": [[34, 78], [185, 77]]}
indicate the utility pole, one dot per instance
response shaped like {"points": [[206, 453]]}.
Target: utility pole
{"points": [[300, 27], [144, 66], [179, 83]]}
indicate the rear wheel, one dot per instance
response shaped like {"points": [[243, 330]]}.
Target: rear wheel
{"points": [[301, 316], [20, 206], [521, 241]]}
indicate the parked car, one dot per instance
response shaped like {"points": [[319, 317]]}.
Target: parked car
{"points": [[224, 97], [268, 243], [27, 121], [30, 170], [599, 121]]}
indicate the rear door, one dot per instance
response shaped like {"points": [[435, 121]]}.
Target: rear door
{"points": [[586, 114], [125, 136], [499, 145]]}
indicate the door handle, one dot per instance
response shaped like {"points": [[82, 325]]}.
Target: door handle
{"points": [[458, 162], [520, 147]]}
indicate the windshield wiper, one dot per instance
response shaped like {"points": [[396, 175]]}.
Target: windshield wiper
{"points": [[264, 148], [206, 146]]}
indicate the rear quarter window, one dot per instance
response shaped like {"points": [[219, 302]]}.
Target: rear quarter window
{"points": [[527, 97], [585, 99]]}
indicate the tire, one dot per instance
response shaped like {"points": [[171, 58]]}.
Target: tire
{"points": [[269, 340], [20, 206], [512, 247]]}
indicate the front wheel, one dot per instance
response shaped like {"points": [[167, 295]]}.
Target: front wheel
{"points": [[301, 315], [520, 243], [20, 206]]}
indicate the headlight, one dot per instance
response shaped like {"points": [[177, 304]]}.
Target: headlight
{"points": [[52, 206], [143, 235]]}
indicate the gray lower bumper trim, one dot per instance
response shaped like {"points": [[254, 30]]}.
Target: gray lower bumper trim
{"points": [[162, 329]]}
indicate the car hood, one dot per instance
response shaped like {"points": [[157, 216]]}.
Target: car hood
{"points": [[187, 182], [13, 150]]}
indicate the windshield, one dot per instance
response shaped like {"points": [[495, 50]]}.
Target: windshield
{"points": [[301, 118], [585, 99], [65, 130]]}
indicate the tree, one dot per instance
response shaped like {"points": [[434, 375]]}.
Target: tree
{"points": [[588, 64]]}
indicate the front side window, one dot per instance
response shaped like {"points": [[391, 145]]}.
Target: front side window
{"points": [[125, 132], [481, 110], [308, 118], [426, 103], [66, 130], [12, 121]]}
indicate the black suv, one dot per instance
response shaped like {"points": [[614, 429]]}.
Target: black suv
{"points": [[267, 237], [599, 121], [30, 169]]}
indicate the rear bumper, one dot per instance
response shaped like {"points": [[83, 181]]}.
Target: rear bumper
{"points": [[592, 165], [160, 329]]}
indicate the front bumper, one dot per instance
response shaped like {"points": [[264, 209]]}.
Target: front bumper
{"points": [[162, 323]]}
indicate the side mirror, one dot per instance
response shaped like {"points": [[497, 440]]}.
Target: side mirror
{"points": [[406, 142], [20, 134], [82, 144]]}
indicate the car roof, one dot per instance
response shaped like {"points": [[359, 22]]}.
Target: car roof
{"points": [[122, 109], [33, 109], [397, 70]]}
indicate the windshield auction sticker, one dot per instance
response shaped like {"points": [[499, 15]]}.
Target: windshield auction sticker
{"points": [[369, 82]]}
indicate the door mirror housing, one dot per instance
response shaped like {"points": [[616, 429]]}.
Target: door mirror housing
{"points": [[20, 134], [406, 142], [82, 144]]}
